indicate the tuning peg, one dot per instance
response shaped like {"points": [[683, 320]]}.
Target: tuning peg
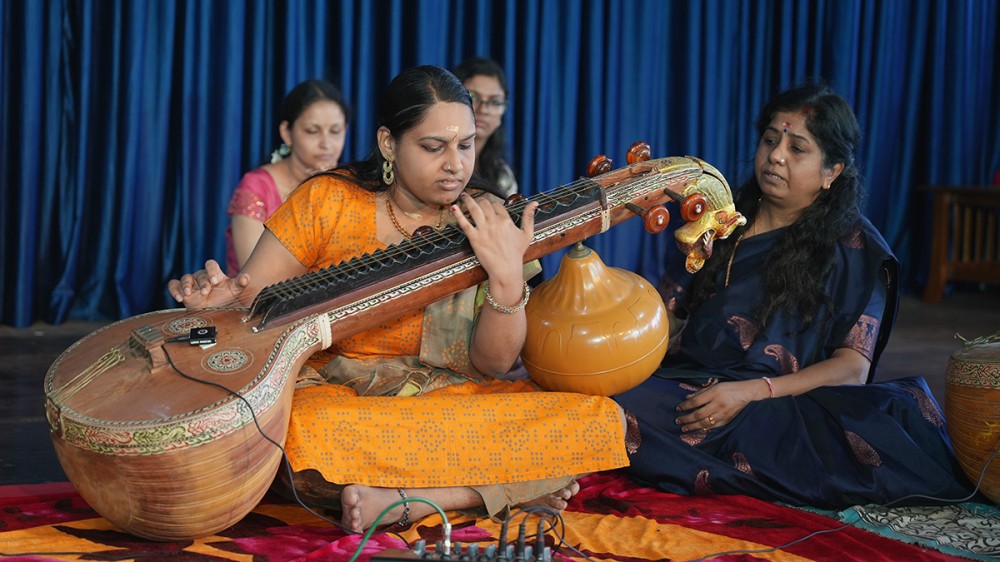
{"points": [[693, 206], [654, 219], [638, 152], [599, 165]]}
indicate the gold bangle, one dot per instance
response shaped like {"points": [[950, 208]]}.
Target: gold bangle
{"points": [[504, 309]]}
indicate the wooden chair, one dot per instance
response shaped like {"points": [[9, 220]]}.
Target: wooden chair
{"points": [[965, 243]]}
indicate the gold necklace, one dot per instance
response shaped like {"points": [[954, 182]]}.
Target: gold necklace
{"points": [[732, 256], [399, 227]]}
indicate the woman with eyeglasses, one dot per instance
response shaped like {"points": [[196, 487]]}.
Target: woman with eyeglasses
{"points": [[487, 85]]}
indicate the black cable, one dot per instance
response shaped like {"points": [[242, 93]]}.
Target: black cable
{"points": [[540, 537], [560, 535], [259, 429], [562, 541], [502, 540], [773, 548], [972, 494], [504, 527], [284, 456], [522, 540]]}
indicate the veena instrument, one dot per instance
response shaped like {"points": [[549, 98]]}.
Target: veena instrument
{"points": [[165, 457]]}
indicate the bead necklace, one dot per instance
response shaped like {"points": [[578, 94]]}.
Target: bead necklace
{"points": [[732, 256], [399, 227]]}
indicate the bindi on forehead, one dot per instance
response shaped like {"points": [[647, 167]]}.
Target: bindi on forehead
{"points": [[805, 112], [790, 125], [787, 129]]}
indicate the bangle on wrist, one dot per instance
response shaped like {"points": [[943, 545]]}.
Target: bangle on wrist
{"points": [[504, 309], [770, 387]]}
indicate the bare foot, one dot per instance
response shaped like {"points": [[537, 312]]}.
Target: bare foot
{"points": [[362, 504], [557, 500]]}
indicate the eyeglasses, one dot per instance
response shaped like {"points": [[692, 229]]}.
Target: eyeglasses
{"points": [[493, 104]]}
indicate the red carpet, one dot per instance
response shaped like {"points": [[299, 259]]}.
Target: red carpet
{"points": [[610, 519]]}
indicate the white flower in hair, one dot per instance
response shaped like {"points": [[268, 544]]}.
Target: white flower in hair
{"points": [[280, 153]]}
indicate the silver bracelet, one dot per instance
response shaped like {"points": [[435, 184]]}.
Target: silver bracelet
{"points": [[504, 309]]}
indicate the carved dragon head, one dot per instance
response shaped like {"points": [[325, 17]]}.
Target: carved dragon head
{"points": [[714, 220]]}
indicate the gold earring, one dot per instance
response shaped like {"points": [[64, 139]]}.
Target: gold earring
{"points": [[388, 177]]}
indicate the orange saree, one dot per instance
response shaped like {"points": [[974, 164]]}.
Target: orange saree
{"points": [[400, 405]]}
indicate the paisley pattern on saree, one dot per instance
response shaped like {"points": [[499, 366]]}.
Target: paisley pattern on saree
{"points": [[928, 409], [787, 363], [694, 437], [701, 485], [865, 453], [745, 329], [742, 464]]}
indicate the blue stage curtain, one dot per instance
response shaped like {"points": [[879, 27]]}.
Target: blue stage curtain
{"points": [[127, 123]]}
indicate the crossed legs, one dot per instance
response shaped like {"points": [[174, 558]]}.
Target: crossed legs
{"points": [[362, 504]]}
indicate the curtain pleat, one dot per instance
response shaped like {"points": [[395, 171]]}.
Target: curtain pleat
{"points": [[126, 124]]}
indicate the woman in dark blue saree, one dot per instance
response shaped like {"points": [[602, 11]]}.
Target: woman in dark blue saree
{"points": [[767, 388]]}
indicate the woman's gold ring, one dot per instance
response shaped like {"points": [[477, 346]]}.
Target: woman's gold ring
{"points": [[711, 420]]}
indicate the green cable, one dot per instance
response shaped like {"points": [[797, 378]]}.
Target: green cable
{"points": [[371, 530]]}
